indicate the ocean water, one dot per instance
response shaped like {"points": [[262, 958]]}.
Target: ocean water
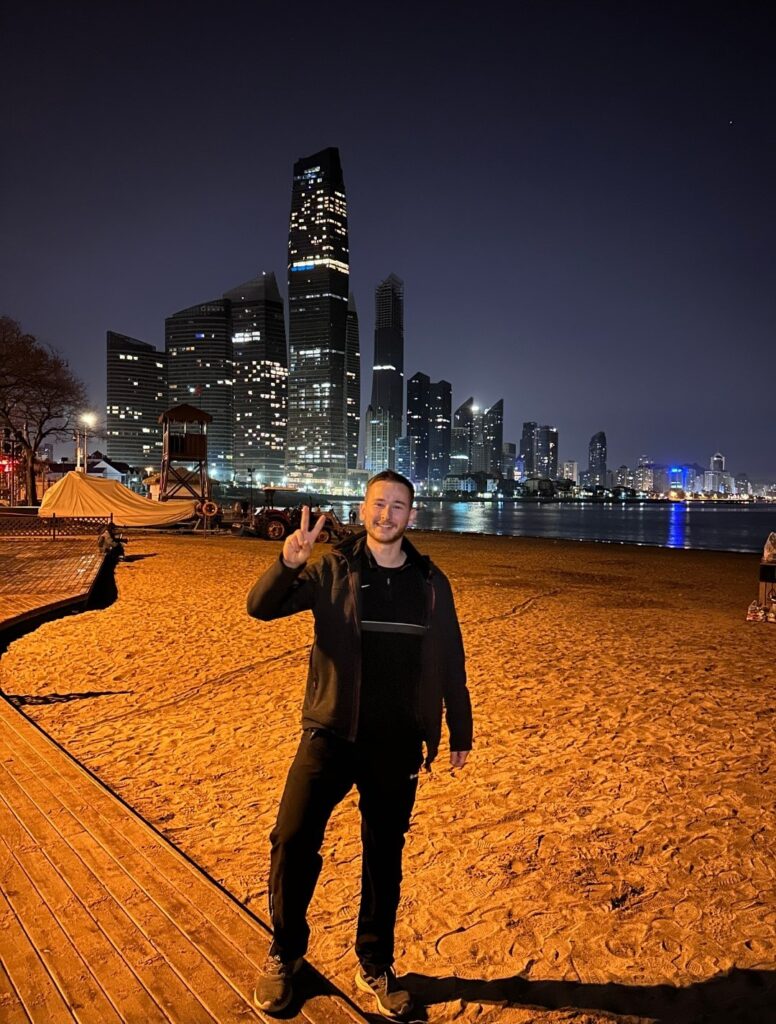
{"points": [[713, 526]]}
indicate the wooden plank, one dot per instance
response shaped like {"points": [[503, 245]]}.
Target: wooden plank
{"points": [[171, 959], [11, 1009], [93, 921], [60, 958], [108, 821], [157, 886]]}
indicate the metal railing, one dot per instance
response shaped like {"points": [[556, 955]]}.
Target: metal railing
{"points": [[13, 526]]}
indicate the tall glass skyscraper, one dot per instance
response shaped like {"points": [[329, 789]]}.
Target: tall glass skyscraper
{"points": [[387, 401], [137, 396], [200, 372], [539, 450], [258, 332], [418, 426], [352, 383], [318, 276], [439, 433], [596, 466], [462, 438]]}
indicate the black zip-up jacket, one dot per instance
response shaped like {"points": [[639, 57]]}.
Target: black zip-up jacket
{"points": [[331, 589]]}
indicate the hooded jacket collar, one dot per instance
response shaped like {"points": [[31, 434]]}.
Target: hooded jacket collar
{"points": [[352, 547]]}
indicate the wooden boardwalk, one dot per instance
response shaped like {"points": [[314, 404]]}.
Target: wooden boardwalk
{"points": [[102, 920], [42, 576]]}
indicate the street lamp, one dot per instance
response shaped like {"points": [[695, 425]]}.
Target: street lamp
{"points": [[88, 419], [250, 491]]}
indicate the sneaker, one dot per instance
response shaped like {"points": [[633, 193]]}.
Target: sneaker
{"points": [[392, 1000], [274, 989]]}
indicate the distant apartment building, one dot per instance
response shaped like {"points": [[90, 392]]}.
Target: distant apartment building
{"points": [[352, 386], [477, 438], [387, 399], [571, 471], [492, 432], [539, 450], [462, 436], [200, 372], [439, 433], [509, 460], [260, 391], [136, 397], [419, 427], [596, 467]]}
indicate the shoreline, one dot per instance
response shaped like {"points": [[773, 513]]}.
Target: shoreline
{"points": [[610, 828]]}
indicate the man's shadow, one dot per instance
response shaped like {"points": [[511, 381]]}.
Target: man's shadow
{"points": [[735, 997]]}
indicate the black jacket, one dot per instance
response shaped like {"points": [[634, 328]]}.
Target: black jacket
{"points": [[331, 589]]}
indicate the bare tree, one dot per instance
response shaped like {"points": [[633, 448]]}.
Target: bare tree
{"points": [[39, 395]]}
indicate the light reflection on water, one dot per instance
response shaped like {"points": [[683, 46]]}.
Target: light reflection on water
{"points": [[705, 525]]}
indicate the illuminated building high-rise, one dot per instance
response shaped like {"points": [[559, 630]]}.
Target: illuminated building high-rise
{"points": [[200, 372], [429, 431], [462, 438], [318, 276], [387, 401], [258, 333], [539, 450], [137, 395], [493, 437], [439, 433], [418, 426], [547, 452], [528, 447], [596, 467], [352, 383]]}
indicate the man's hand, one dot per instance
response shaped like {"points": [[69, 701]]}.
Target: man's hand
{"points": [[458, 758], [299, 545]]}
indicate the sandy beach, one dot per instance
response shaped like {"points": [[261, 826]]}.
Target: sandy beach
{"points": [[609, 848]]}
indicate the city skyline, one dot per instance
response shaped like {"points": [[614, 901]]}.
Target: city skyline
{"points": [[577, 196]]}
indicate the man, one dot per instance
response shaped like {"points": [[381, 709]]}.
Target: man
{"points": [[387, 655]]}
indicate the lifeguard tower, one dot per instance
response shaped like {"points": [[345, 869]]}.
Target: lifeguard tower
{"points": [[184, 440]]}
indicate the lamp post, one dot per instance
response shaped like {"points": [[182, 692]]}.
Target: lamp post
{"points": [[88, 419], [250, 493]]}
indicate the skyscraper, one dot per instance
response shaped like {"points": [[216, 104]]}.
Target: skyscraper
{"points": [[596, 466], [418, 426], [318, 275], [258, 333], [439, 433], [352, 383], [377, 445], [493, 437], [462, 438], [387, 399], [137, 396], [528, 447], [547, 452], [200, 372]]}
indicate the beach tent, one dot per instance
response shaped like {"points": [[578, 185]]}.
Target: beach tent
{"points": [[79, 495]]}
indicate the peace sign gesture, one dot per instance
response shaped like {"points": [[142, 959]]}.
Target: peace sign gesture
{"points": [[299, 545]]}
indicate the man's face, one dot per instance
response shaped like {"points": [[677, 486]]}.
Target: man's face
{"points": [[386, 511]]}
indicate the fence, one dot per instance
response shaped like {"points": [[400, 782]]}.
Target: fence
{"points": [[21, 527]]}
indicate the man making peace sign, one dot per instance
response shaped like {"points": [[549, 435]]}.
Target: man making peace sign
{"points": [[387, 657]]}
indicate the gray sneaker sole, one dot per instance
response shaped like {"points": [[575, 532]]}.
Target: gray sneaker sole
{"points": [[364, 986], [271, 1007]]}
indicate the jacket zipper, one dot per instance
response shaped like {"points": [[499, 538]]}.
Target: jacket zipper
{"points": [[357, 660]]}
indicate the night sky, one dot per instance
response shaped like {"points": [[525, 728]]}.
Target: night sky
{"points": [[578, 196]]}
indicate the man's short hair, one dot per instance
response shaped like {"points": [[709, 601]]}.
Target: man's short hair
{"points": [[390, 476]]}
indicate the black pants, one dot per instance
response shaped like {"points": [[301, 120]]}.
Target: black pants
{"points": [[324, 770]]}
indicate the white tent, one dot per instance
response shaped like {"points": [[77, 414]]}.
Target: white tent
{"points": [[79, 495]]}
